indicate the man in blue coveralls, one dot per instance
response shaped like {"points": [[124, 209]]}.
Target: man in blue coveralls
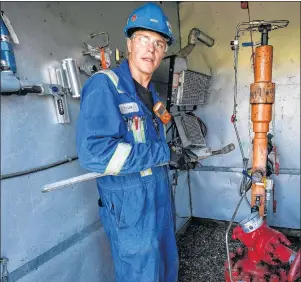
{"points": [[119, 135]]}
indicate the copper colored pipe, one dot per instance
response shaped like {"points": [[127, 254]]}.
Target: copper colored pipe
{"points": [[262, 98]]}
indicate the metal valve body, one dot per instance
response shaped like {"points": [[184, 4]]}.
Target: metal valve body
{"points": [[266, 256]]}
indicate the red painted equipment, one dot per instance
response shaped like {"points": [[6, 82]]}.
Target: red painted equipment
{"points": [[266, 256]]}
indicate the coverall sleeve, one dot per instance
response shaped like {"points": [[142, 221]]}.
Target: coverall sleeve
{"points": [[100, 131]]}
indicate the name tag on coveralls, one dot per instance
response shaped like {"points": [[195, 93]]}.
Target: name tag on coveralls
{"points": [[128, 108]]}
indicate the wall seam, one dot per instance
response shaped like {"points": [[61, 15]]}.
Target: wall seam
{"points": [[54, 251]]}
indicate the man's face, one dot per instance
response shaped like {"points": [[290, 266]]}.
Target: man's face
{"points": [[146, 50]]}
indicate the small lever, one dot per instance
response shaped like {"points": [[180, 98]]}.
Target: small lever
{"points": [[225, 150]]}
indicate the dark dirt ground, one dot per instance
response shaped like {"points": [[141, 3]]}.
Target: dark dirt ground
{"points": [[202, 251]]}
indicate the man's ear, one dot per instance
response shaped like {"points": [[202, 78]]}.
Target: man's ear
{"points": [[129, 45]]}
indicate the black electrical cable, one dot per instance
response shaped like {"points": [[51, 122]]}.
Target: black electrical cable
{"points": [[203, 127], [174, 189], [9, 93], [33, 170], [172, 124], [24, 91], [245, 187], [176, 173], [202, 124]]}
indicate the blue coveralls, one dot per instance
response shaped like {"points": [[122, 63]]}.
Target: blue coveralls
{"points": [[137, 210]]}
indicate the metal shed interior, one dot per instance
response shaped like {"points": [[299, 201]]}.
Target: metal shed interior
{"points": [[57, 236]]}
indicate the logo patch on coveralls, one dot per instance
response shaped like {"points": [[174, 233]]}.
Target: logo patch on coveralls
{"points": [[128, 108]]}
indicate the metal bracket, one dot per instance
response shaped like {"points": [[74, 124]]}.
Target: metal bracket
{"points": [[60, 100], [63, 81]]}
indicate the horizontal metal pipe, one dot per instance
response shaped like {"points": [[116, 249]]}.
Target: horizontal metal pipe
{"points": [[11, 84], [288, 171]]}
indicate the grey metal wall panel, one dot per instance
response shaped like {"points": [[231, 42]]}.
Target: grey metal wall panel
{"points": [[75, 266], [182, 201], [31, 222], [287, 124], [219, 21], [287, 195], [215, 196]]}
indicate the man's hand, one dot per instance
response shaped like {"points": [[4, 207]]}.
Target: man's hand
{"points": [[181, 158]]}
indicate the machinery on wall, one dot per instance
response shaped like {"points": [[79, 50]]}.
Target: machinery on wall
{"points": [[266, 256], [63, 80], [101, 53], [186, 90]]}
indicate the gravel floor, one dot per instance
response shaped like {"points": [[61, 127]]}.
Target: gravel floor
{"points": [[202, 251]]}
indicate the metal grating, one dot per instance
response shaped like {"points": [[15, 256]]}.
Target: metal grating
{"points": [[193, 89], [193, 131]]}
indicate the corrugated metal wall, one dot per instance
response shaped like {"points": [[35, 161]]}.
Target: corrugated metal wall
{"points": [[215, 189], [57, 236]]}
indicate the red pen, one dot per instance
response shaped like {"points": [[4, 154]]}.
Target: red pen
{"points": [[136, 122]]}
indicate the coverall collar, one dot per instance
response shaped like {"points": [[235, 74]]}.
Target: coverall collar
{"points": [[127, 85]]}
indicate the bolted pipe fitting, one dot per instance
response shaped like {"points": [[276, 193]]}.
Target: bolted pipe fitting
{"points": [[284, 240], [269, 248], [275, 241], [274, 278]]}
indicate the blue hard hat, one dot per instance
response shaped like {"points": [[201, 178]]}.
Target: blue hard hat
{"points": [[151, 17]]}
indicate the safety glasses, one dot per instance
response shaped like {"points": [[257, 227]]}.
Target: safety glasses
{"points": [[144, 40]]}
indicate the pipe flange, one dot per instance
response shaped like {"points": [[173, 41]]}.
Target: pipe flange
{"points": [[262, 93], [251, 223]]}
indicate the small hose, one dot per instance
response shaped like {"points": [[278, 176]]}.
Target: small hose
{"points": [[33, 170], [227, 234], [244, 159]]}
